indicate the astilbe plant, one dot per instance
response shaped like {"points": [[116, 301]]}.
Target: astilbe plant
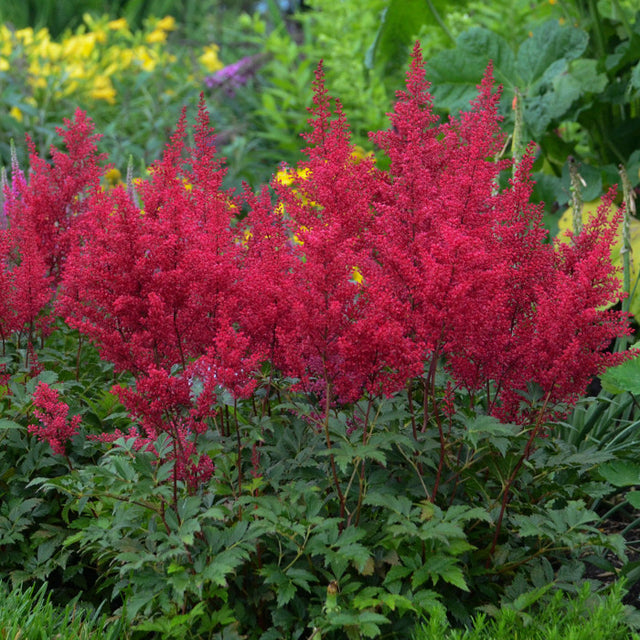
{"points": [[348, 284], [39, 216], [470, 268], [157, 288], [357, 280], [387, 275]]}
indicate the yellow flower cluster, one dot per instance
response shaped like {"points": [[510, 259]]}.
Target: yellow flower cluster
{"points": [[85, 63]]}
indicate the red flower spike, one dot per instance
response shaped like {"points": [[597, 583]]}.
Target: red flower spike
{"points": [[55, 426]]}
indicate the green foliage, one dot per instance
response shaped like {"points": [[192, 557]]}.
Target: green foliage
{"points": [[399, 26], [367, 523], [286, 553], [576, 617], [47, 13], [540, 70], [265, 119], [281, 555], [625, 377], [30, 526], [132, 85], [577, 79]]}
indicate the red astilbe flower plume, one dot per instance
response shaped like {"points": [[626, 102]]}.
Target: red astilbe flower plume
{"points": [[565, 344], [267, 263], [151, 286], [468, 264], [56, 193], [26, 285], [162, 404], [331, 334], [39, 216], [53, 414]]}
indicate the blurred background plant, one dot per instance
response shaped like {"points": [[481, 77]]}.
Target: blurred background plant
{"points": [[129, 81]]}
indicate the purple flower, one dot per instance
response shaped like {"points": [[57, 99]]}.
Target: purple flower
{"points": [[235, 75]]}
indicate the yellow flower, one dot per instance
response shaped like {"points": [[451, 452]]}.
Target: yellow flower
{"points": [[79, 46], [296, 238], [145, 57], [112, 176], [168, 23], [16, 114], [359, 154], [4, 64], [5, 40], [119, 24], [100, 35], [75, 70], [25, 36], [103, 90], [356, 276], [125, 58], [285, 177], [209, 59], [156, 36]]}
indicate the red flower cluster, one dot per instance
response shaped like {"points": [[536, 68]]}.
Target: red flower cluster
{"points": [[471, 276], [323, 327], [55, 426], [38, 224], [354, 281]]}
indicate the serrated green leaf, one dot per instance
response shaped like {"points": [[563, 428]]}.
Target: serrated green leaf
{"points": [[301, 578], [621, 473], [224, 564], [549, 42], [489, 428], [5, 423], [624, 377], [585, 72], [525, 600]]}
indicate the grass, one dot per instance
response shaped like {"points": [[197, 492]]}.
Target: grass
{"points": [[584, 616], [29, 614]]}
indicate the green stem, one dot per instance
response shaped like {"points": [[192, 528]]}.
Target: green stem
{"points": [[625, 251], [440, 21], [332, 461]]}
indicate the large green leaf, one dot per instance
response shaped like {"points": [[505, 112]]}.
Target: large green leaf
{"points": [[543, 70], [455, 73], [624, 377], [621, 473], [548, 44], [400, 25]]}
